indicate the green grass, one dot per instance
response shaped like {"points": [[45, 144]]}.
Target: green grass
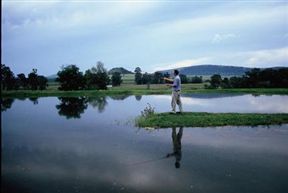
{"points": [[195, 119], [132, 89]]}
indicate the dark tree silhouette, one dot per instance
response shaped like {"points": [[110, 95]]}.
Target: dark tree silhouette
{"points": [[146, 79], [33, 79], [157, 78], [6, 103], [215, 81], [22, 80], [70, 78], [8, 81], [71, 107], [97, 77], [42, 82], [184, 78], [116, 79], [138, 75]]}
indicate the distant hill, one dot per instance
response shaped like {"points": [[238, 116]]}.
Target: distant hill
{"points": [[209, 69], [120, 70]]}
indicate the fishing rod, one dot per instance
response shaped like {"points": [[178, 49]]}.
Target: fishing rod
{"points": [[147, 161]]}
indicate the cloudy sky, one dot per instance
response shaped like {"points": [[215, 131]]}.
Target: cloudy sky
{"points": [[154, 35]]}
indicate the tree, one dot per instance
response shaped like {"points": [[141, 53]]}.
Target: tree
{"points": [[166, 75], [196, 79], [252, 77], [157, 78], [23, 81], [8, 80], [97, 77], [116, 79], [237, 82], [33, 79], [183, 78], [90, 79], [225, 83], [138, 75], [70, 78], [215, 81], [146, 78], [42, 82]]}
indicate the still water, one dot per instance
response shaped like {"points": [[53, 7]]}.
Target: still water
{"points": [[91, 145]]}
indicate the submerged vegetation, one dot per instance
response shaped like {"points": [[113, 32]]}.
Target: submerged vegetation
{"points": [[202, 119]]}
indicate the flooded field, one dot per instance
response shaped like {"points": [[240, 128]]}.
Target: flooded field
{"points": [[91, 145]]}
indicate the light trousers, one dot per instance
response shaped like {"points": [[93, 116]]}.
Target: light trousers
{"points": [[176, 100]]}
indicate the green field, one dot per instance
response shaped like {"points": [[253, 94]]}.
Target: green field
{"points": [[132, 89], [199, 119], [129, 88]]}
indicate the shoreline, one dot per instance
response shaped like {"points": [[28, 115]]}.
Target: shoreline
{"points": [[119, 91]]}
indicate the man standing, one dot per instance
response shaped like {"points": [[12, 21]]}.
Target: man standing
{"points": [[176, 89]]}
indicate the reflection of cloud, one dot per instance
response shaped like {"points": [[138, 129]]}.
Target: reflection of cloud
{"points": [[243, 103], [269, 103], [244, 138], [89, 162], [185, 100]]}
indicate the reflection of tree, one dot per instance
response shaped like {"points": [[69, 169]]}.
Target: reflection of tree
{"points": [[34, 100], [98, 102], [6, 103], [176, 139], [138, 97], [71, 107], [119, 97]]}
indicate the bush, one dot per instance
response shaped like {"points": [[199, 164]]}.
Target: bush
{"points": [[148, 111]]}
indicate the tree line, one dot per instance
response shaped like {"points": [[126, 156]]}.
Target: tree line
{"points": [[256, 78], [157, 77], [71, 78], [11, 82]]}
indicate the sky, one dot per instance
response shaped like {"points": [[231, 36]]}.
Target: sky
{"points": [[154, 35]]}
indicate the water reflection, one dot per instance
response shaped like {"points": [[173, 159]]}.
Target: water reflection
{"points": [[71, 107], [176, 140], [34, 100], [6, 103], [98, 102], [138, 97], [119, 97]]}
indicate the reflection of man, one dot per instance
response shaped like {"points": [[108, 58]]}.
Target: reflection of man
{"points": [[176, 89], [176, 138]]}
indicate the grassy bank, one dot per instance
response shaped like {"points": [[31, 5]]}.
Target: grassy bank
{"points": [[138, 90], [194, 119]]}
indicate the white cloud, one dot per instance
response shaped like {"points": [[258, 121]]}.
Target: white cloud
{"points": [[61, 14], [272, 57], [217, 38], [257, 58], [182, 63]]}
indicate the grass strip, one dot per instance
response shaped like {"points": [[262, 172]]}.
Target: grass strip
{"points": [[199, 119]]}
